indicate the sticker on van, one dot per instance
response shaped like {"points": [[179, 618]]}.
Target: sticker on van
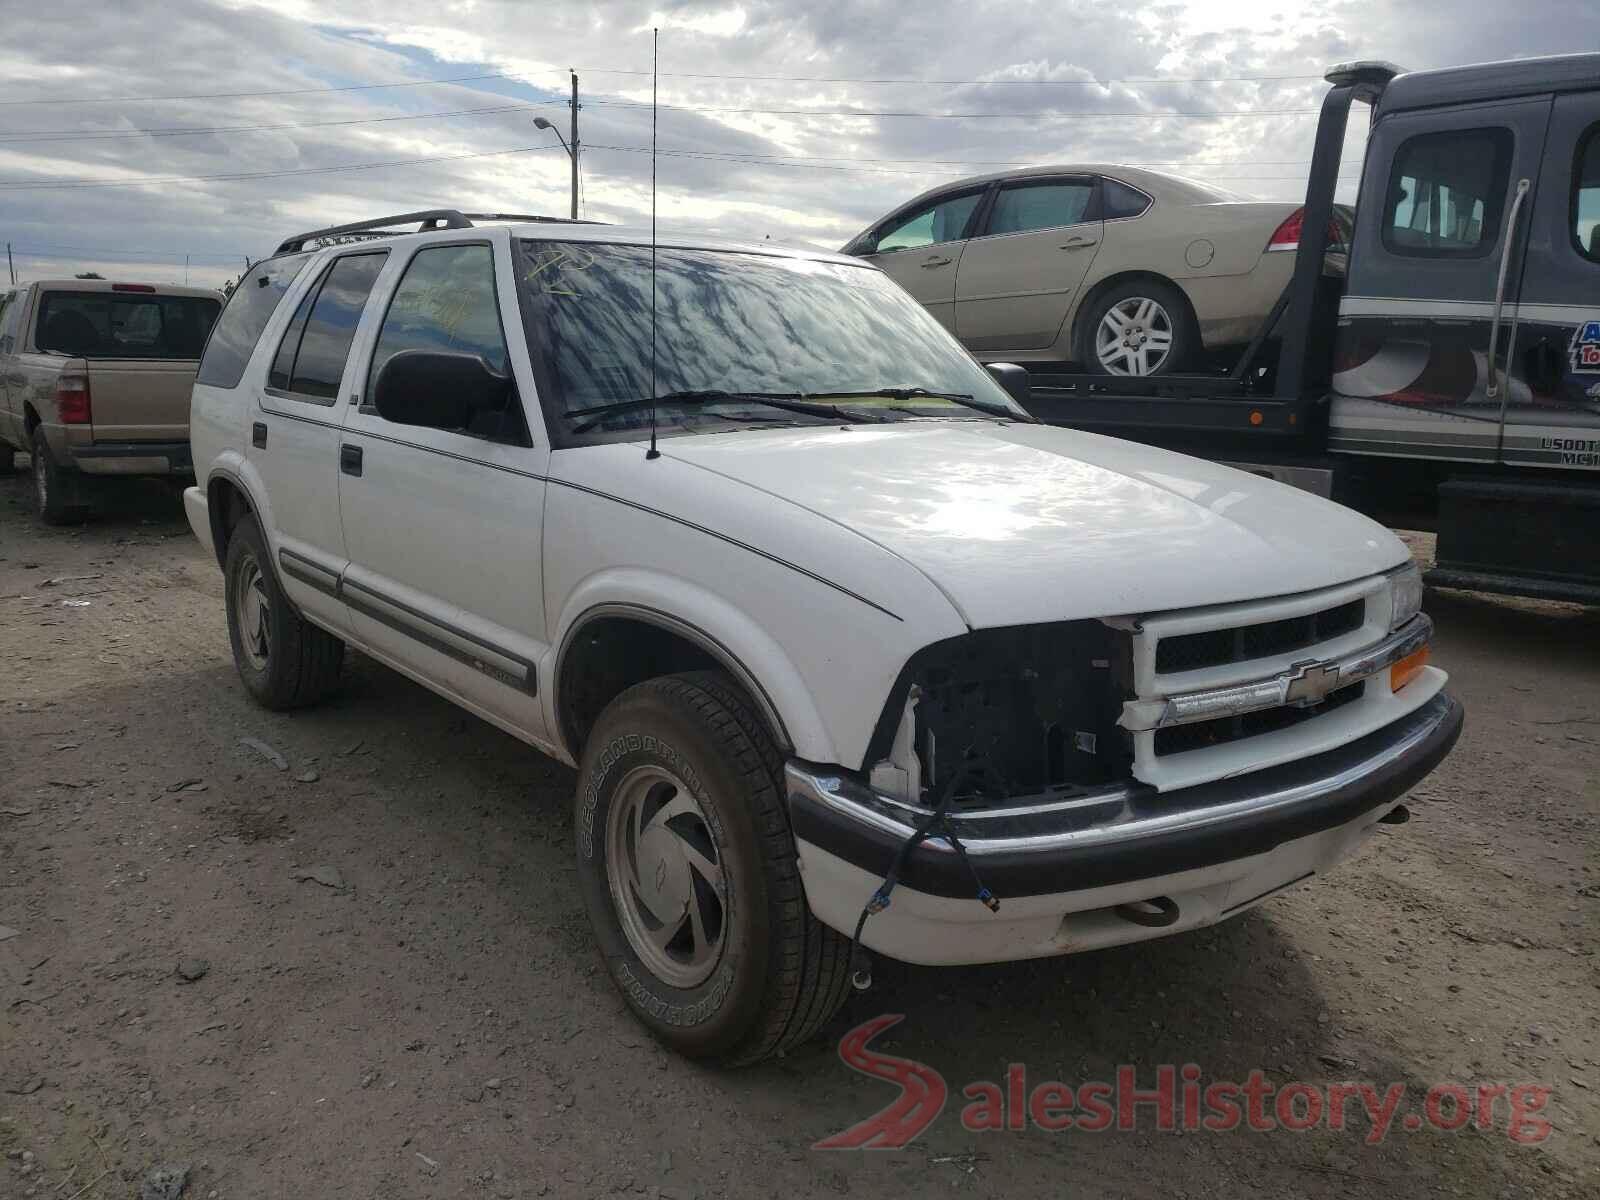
{"points": [[1585, 349]]}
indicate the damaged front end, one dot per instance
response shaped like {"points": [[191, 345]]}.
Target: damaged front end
{"points": [[997, 714]]}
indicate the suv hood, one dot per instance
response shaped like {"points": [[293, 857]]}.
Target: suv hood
{"points": [[1018, 524]]}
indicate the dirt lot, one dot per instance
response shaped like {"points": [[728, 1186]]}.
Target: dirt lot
{"points": [[435, 1022]]}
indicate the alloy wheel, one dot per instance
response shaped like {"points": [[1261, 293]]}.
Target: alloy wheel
{"points": [[1134, 337], [666, 875]]}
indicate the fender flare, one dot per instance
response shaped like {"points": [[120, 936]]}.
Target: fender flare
{"points": [[748, 653]]}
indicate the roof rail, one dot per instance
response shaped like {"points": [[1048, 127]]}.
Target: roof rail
{"points": [[428, 220]]}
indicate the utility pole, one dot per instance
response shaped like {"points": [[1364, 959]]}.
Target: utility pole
{"points": [[10, 266], [573, 147], [185, 270]]}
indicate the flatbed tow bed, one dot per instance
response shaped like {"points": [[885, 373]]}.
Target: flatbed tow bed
{"points": [[1443, 379]]}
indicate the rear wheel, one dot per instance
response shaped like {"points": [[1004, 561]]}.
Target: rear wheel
{"points": [[8, 459], [283, 659], [689, 873], [1138, 328], [55, 494]]}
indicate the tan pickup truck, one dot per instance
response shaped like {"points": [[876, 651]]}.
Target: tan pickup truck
{"points": [[95, 379]]}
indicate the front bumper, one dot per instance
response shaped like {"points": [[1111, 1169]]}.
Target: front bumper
{"points": [[133, 458], [1061, 865]]}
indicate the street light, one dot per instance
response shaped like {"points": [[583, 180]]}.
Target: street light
{"points": [[542, 123]]}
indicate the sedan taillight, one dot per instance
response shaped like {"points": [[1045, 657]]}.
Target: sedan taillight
{"points": [[1287, 235]]}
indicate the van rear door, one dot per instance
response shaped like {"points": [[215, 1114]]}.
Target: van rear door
{"points": [[1446, 197], [1553, 406], [142, 349]]}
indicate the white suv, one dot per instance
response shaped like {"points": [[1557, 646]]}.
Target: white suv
{"points": [[860, 640]]}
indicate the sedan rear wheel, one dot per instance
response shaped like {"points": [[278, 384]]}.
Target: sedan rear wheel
{"points": [[1139, 328]]}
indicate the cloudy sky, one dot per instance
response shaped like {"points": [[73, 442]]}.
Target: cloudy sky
{"points": [[135, 134]]}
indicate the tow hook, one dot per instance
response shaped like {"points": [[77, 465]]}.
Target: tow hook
{"points": [[1155, 913], [1398, 815]]}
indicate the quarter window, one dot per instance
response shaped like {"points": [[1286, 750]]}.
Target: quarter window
{"points": [[234, 337], [1446, 191], [1586, 195], [446, 302], [1023, 207], [944, 221], [310, 359], [1122, 201]]}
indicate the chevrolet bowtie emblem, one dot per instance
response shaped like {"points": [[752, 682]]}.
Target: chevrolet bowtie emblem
{"points": [[1311, 683]]}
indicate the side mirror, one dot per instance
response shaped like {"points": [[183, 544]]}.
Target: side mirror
{"points": [[866, 244], [441, 389], [1014, 379]]}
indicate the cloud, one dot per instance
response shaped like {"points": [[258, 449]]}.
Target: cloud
{"points": [[1035, 82]]}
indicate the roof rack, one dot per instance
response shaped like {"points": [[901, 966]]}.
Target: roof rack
{"points": [[427, 219]]}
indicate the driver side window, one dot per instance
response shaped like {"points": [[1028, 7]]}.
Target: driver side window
{"points": [[446, 303], [942, 221]]}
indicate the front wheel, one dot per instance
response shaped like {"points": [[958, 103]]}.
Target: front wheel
{"points": [[1138, 328], [689, 873]]}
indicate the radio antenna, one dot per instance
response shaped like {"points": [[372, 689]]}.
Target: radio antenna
{"points": [[655, 62]]}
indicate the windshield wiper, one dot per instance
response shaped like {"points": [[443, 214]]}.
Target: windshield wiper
{"points": [[787, 401], [918, 393]]}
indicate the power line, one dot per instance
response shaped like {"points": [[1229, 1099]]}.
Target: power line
{"points": [[1011, 116], [519, 76], [9, 185], [52, 250], [71, 135]]}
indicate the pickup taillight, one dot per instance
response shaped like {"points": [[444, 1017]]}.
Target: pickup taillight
{"points": [[72, 398]]}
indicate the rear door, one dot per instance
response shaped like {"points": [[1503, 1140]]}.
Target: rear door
{"points": [[1552, 410], [294, 440], [1446, 197], [141, 349], [920, 249], [1017, 279]]}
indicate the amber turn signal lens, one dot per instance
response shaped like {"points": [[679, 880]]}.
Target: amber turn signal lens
{"points": [[1407, 669]]}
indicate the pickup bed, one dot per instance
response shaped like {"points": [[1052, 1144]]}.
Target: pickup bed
{"points": [[95, 379]]}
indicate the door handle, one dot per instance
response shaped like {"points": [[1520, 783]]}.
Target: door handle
{"points": [[258, 435], [936, 261], [350, 459], [1078, 243]]}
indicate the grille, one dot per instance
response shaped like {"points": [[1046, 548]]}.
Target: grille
{"points": [[1218, 647], [1181, 738]]}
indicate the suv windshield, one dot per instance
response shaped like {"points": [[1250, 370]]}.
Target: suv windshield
{"points": [[730, 326]]}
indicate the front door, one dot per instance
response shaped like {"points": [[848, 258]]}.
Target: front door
{"points": [[444, 525], [1441, 229], [1552, 409], [922, 248], [294, 441], [1017, 279]]}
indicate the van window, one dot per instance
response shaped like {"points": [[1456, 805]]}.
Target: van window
{"points": [[124, 324], [1446, 191], [321, 340], [246, 314], [1586, 195]]}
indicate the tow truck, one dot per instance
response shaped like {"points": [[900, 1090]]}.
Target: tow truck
{"points": [[1448, 378]]}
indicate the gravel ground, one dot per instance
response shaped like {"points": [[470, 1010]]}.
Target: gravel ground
{"points": [[363, 969]]}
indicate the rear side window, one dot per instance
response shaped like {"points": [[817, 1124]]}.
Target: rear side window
{"points": [[1023, 207], [124, 324], [244, 317], [314, 348], [1445, 193], [1586, 195], [1122, 201]]}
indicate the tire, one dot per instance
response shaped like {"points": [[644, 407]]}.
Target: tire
{"points": [[284, 660], [8, 459], [1155, 317], [55, 493], [683, 761]]}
